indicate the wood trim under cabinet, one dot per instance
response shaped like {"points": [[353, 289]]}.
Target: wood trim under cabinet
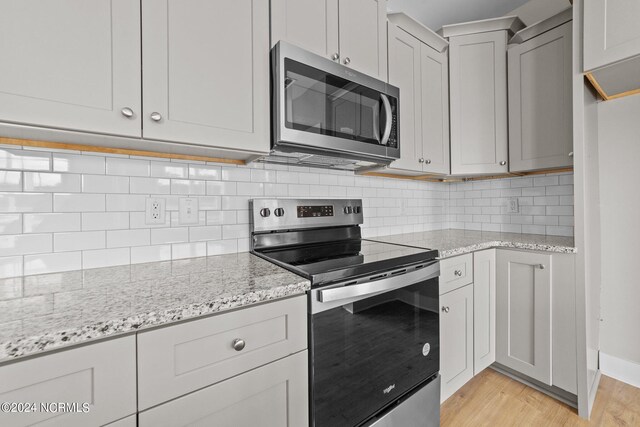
{"points": [[603, 94], [110, 150]]}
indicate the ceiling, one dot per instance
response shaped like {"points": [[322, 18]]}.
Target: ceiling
{"points": [[436, 13]]}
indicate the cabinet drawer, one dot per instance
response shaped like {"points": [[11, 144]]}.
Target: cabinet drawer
{"points": [[179, 359], [102, 374], [455, 272], [274, 395]]}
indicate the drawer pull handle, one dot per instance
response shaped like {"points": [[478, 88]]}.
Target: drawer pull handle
{"points": [[238, 344], [541, 266], [445, 309], [458, 273]]}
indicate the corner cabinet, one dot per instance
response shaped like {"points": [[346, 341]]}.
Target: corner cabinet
{"points": [[484, 309], [418, 65], [478, 85], [80, 70], [206, 72], [352, 32], [540, 100]]}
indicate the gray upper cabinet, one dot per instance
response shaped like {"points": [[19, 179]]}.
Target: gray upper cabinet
{"points": [[206, 72], [418, 65], [611, 32], [352, 32], [80, 70], [523, 313], [540, 101], [478, 87]]}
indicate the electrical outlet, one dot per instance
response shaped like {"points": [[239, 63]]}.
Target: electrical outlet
{"points": [[512, 205], [188, 213], [155, 210]]}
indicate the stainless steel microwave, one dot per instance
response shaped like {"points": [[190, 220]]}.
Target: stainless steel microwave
{"points": [[329, 115]]}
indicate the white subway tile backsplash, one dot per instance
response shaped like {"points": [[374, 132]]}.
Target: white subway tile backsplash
{"points": [[52, 262], [105, 221], [169, 170], [105, 184], [144, 254], [51, 182], [125, 202], [204, 233], [188, 250], [261, 175], [105, 257], [543, 181], [235, 231], [22, 244], [560, 190], [10, 224], [75, 163], [188, 187], [209, 203], [78, 241], [141, 185], [78, 202], [10, 181], [220, 247], [250, 189], [235, 202], [205, 172], [128, 238], [138, 220], [236, 174], [25, 202], [169, 235], [51, 222], [10, 266], [560, 210], [127, 167], [24, 160]]}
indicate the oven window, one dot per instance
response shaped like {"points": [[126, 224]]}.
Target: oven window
{"points": [[367, 354], [322, 103]]}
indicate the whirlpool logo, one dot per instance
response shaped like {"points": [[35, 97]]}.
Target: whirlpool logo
{"points": [[388, 389]]}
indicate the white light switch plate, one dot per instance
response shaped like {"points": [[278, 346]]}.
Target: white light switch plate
{"points": [[512, 205], [155, 210], [188, 213]]}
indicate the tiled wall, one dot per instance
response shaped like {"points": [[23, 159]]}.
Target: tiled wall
{"points": [[70, 210], [546, 205]]}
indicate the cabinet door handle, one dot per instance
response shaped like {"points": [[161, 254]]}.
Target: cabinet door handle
{"points": [[428, 161], [347, 61], [458, 273], [502, 163], [127, 112], [335, 56], [445, 309], [571, 154], [156, 117], [541, 266], [420, 160], [238, 344]]}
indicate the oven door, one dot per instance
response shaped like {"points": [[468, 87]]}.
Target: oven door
{"points": [[371, 344], [324, 106]]}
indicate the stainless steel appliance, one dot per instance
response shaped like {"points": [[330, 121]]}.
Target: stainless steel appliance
{"points": [[328, 115], [373, 313]]}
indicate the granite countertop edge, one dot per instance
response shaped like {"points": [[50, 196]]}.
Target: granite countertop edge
{"points": [[68, 338], [448, 253]]}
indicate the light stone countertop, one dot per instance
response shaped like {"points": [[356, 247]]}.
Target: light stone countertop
{"points": [[457, 242], [50, 311]]}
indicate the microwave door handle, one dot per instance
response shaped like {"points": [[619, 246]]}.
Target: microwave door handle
{"points": [[376, 124], [387, 126]]}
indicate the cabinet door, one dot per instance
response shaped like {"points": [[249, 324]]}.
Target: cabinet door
{"points": [[102, 375], [71, 64], [523, 313], [275, 395], [434, 71], [404, 72], [310, 24], [478, 85], [611, 32], [206, 72], [540, 101], [484, 309], [363, 36], [456, 339]]}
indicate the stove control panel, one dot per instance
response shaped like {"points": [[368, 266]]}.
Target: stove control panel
{"points": [[291, 214]]}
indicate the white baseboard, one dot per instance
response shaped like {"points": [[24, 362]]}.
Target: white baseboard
{"points": [[620, 369]]}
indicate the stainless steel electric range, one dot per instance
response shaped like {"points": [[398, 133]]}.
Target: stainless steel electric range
{"points": [[373, 313]]}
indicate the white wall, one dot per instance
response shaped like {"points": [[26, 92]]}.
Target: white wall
{"points": [[619, 152]]}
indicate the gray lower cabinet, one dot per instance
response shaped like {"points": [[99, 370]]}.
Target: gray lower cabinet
{"points": [[484, 309], [540, 101], [80, 70], [524, 313], [536, 317], [205, 69], [102, 375], [274, 395], [456, 339], [179, 359]]}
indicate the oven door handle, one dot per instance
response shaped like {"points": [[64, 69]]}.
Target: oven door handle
{"points": [[390, 283]]}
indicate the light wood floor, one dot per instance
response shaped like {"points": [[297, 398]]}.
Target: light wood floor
{"points": [[493, 399]]}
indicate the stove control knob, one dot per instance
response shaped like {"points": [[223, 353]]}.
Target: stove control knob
{"points": [[348, 209], [265, 212], [279, 212], [356, 209]]}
